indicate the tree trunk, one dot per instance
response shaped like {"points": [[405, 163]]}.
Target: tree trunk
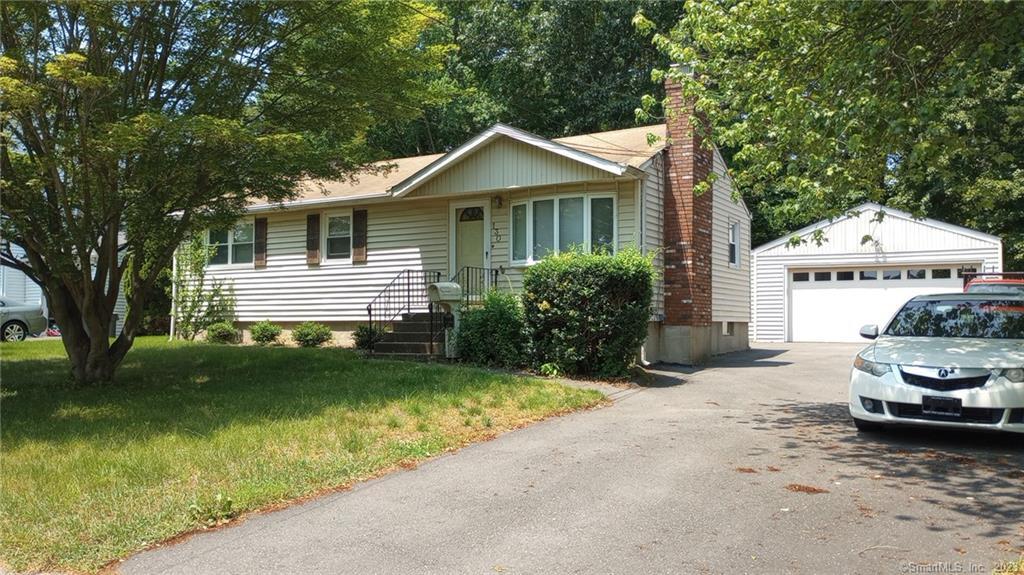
{"points": [[93, 359]]}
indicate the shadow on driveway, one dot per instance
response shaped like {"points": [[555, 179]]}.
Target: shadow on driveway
{"points": [[977, 474]]}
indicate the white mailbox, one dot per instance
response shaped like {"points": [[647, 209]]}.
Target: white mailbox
{"points": [[445, 293], [448, 295]]}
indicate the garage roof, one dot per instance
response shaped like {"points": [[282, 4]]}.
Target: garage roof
{"points": [[889, 212]]}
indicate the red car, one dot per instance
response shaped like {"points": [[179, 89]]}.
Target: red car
{"points": [[994, 282]]}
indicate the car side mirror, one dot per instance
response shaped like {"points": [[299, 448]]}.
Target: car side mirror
{"points": [[869, 331]]}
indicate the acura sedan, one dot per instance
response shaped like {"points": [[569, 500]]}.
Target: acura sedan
{"points": [[952, 360]]}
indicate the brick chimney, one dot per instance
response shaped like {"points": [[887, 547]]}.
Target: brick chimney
{"points": [[687, 234]]}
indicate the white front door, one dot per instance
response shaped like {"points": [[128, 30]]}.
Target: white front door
{"points": [[469, 246], [831, 304]]}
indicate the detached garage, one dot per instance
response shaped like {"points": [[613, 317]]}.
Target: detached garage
{"points": [[864, 271]]}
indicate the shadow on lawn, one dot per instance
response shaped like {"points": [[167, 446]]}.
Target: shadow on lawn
{"points": [[941, 467], [198, 389]]}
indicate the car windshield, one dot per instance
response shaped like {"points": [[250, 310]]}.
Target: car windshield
{"points": [[988, 318]]}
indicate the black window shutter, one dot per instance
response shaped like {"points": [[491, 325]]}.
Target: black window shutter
{"points": [[359, 236], [260, 257], [313, 239]]}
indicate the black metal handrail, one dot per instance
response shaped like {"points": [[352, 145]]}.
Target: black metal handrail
{"points": [[475, 282], [407, 293]]}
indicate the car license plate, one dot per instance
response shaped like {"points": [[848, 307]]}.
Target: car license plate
{"points": [[949, 406]]}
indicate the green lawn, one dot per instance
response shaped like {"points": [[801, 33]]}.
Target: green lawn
{"points": [[193, 434]]}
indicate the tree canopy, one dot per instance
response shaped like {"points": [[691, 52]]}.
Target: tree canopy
{"points": [[553, 68], [823, 105], [127, 127]]}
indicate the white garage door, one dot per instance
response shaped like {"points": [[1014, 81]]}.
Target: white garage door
{"points": [[831, 304]]}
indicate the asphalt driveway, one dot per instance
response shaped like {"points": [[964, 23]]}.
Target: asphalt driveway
{"points": [[712, 472]]}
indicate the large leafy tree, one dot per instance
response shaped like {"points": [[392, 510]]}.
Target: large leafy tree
{"points": [[555, 68], [127, 127], [826, 104]]}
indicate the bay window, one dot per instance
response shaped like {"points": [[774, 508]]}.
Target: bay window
{"points": [[546, 226], [232, 246]]}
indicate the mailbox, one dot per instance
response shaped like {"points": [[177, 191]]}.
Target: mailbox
{"points": [[448, 295]]}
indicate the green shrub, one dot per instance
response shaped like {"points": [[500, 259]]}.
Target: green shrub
{"points": [[365, 336], [587, 314], [264, 332], [493, 334], [221, 332], [311, 334]]}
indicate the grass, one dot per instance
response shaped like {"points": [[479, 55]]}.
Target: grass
{"points": [[193, 435], [1011, 568]]}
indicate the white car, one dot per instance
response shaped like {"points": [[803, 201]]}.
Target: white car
{"points": [[951, 360]]}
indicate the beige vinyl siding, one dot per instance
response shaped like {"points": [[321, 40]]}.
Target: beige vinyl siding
{"points": [[653, 190], [730, 285], [507, 163], [407, 235]]}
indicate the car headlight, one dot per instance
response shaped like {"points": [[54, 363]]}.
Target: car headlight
{"points": [[868, 366], [1016, 374]]}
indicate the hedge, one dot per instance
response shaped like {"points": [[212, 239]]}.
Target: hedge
{"points": [[493, 334], [587, 314]]}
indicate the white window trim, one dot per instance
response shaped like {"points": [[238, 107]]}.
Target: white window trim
{"points": [[734, 241], [231, 243], [324, 227], [587, 223]]}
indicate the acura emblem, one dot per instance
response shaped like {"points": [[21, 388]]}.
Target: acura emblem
{"points": [[943, 372]]}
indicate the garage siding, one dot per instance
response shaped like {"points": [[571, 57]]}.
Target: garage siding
{"points": [[898, 240]]}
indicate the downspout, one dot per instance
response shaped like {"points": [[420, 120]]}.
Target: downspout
{"points": [[174, 292], [642, 245]]}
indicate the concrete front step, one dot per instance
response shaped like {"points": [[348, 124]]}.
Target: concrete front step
{"points": [[410, 336], [408, 347], [408, 356], [413, 326]]}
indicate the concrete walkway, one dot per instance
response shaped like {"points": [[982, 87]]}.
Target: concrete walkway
{"points": [[688, 475]]}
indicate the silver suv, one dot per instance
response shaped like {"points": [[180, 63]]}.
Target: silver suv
{"points": [[18, 320]]}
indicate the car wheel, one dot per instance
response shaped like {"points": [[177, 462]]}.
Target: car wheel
{"points": [[866, 426], [14, 331]]}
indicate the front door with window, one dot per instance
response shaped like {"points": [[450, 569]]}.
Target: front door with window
{"points": [[470, 237]]}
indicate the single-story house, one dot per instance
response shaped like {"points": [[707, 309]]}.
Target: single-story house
{"points": [[867, 267], [499, 203]]}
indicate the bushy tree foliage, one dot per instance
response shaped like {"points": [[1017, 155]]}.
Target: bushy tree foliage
{"points": [[553, 68], [126, 127], [823, 105]]}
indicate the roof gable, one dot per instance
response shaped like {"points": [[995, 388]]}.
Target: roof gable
{"points": [[498, 171], [506, 163], [897, 231]]}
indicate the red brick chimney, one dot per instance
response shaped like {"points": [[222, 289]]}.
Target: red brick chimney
{"points": [[687, 219]]}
